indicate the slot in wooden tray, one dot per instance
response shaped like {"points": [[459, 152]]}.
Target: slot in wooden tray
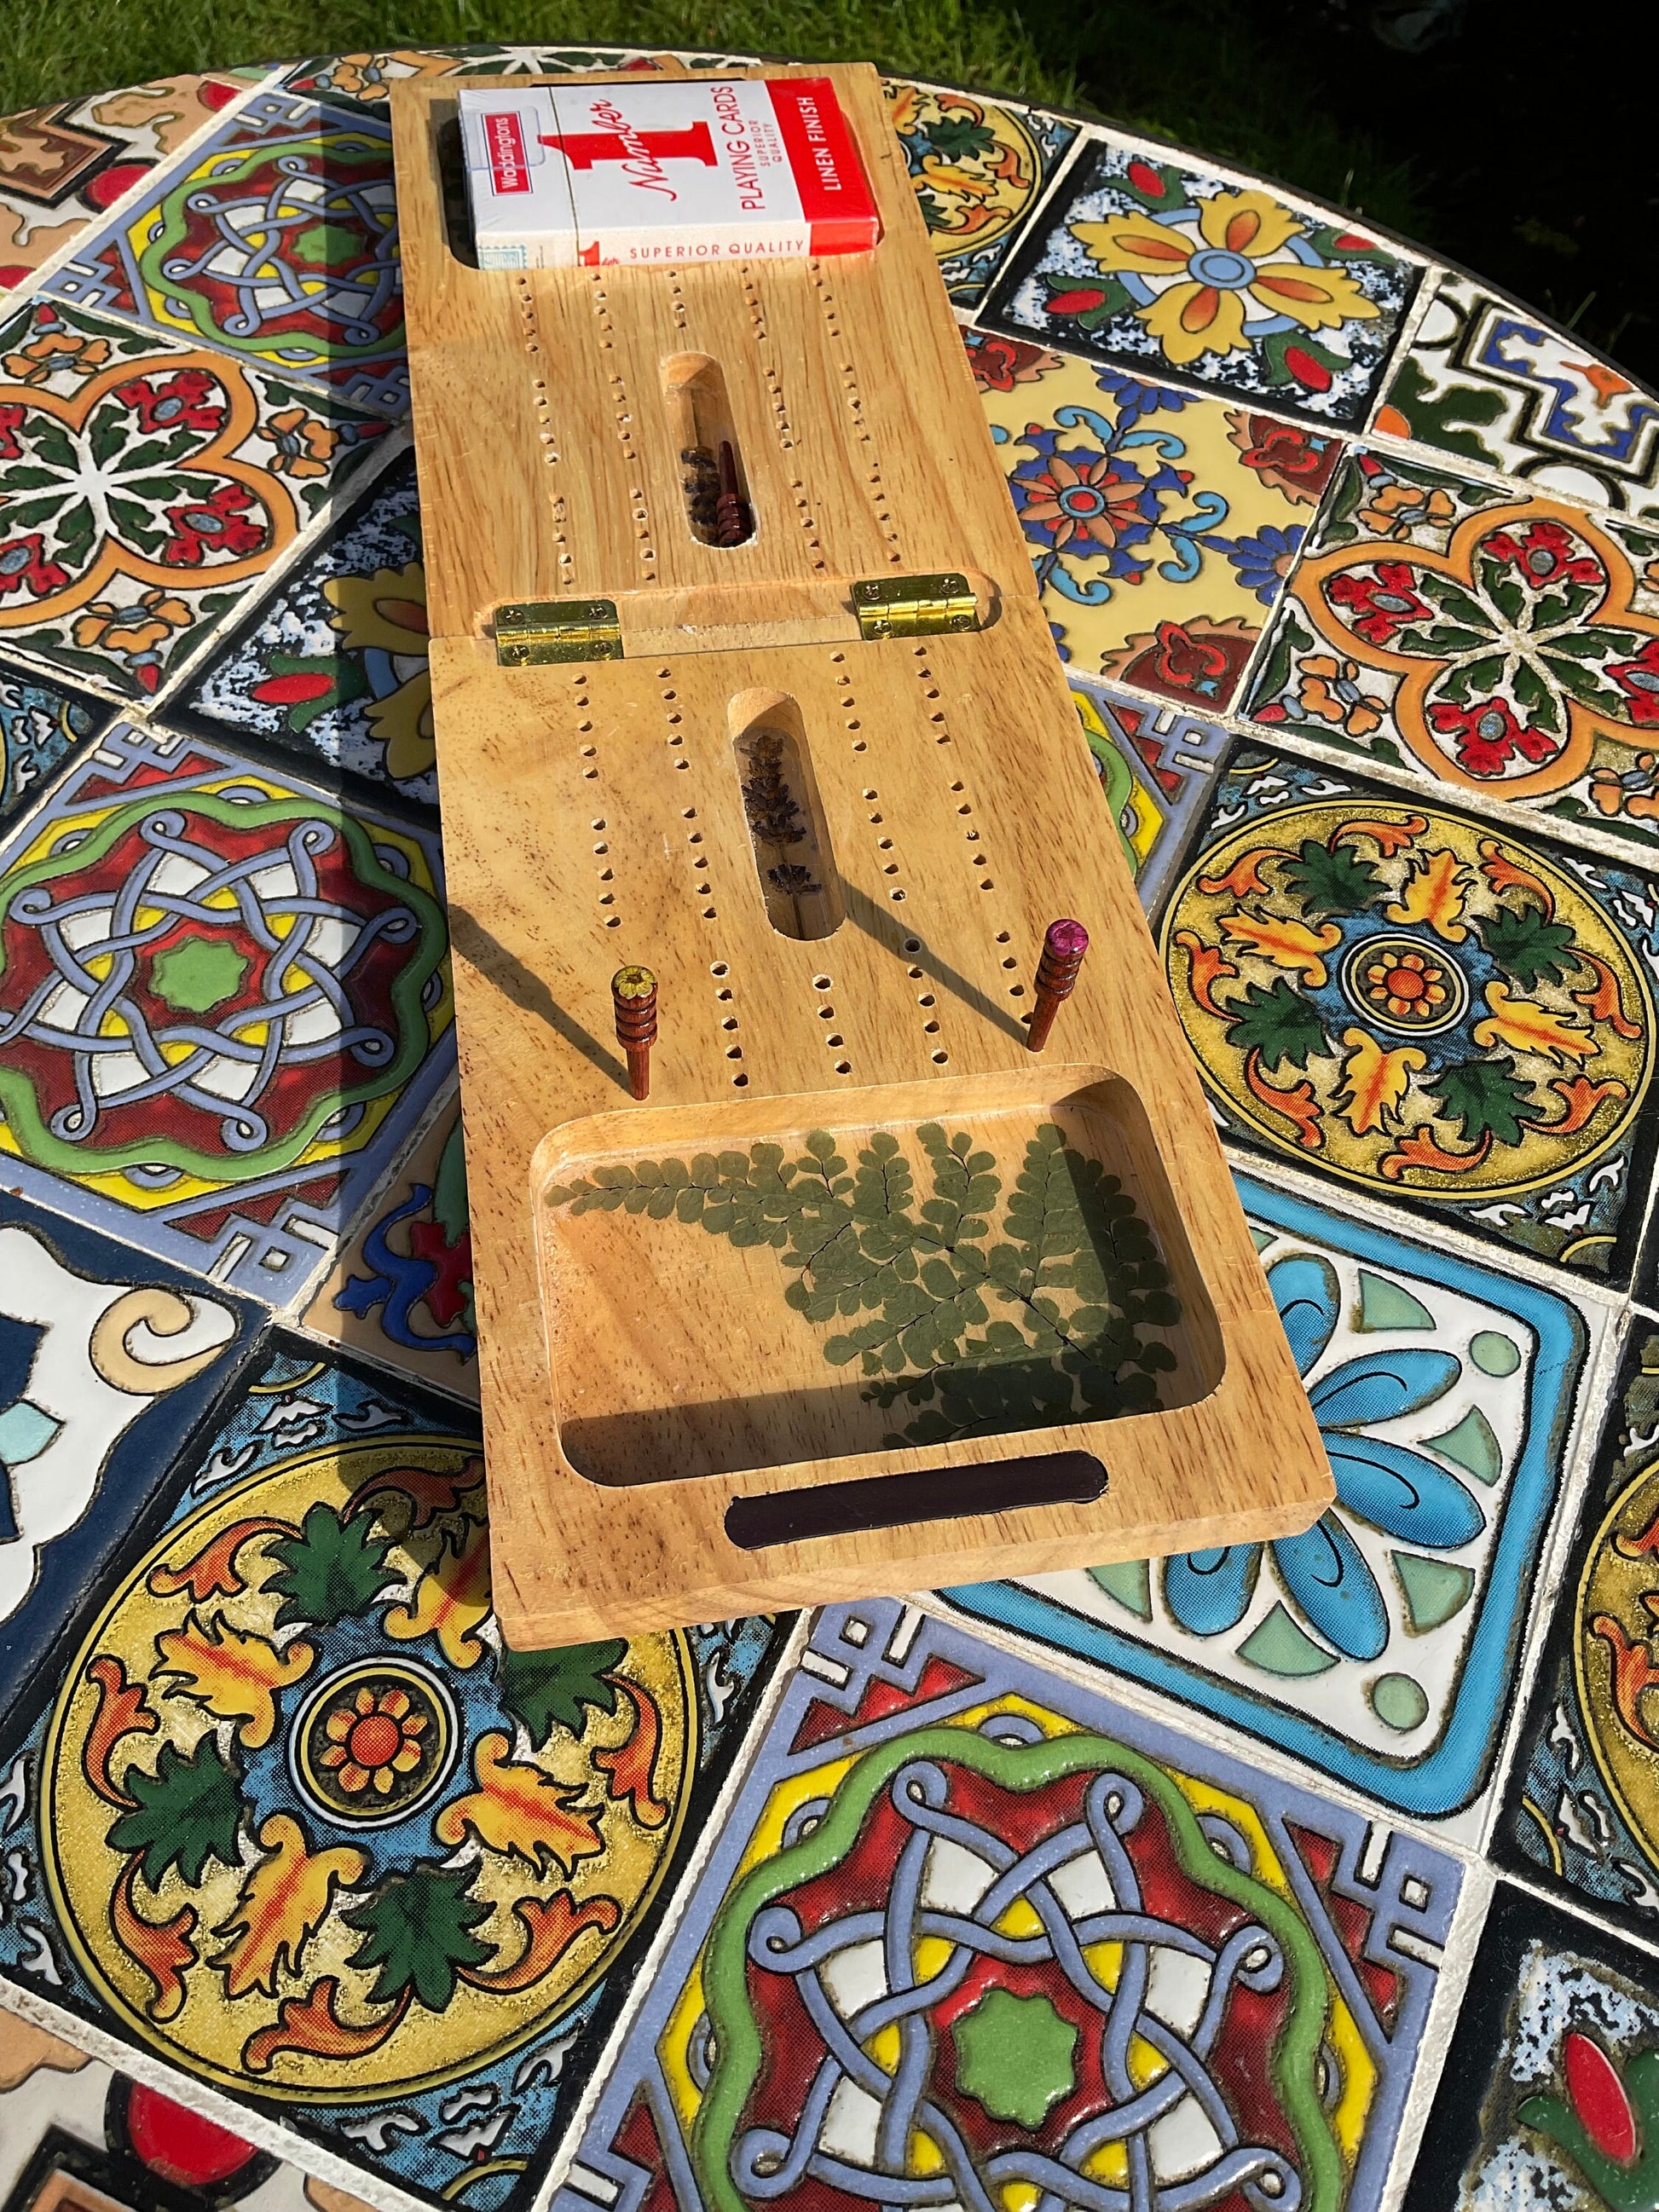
{"points": [[679, 1247]]}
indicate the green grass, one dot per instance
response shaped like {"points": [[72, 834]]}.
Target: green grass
{"points": [[1198, 70]]}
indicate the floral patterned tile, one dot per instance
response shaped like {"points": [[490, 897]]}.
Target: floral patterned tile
{"points": [[1581, 1816], [275, 243], [292, 1821], [970, 1931], [1383, 1646], [401, 1290], [367, 77], [1493, 642], [1403, 999], [62, 165], [979, 169], [149, 484], [1162, 524], [333, 665], [224, 1005], [1549, 2088], [1154, 765], [1164, 270], [1493, 384], [41, 725]]}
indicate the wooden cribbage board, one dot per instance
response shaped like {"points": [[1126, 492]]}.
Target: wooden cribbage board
{"points": [[593, 815]]}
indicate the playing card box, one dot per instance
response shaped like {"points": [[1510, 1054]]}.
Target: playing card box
{"points": [[674, 173]]}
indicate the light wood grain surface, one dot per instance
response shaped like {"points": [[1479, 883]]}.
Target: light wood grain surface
{"points": [[593, 815]]}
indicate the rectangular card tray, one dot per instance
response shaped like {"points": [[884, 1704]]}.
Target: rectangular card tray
{"points": [[689, 1333]]}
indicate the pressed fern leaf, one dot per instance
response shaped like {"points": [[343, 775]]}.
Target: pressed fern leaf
{"points": [[975, 1328]]}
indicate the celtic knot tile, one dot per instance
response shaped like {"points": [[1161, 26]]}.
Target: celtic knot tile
{"points": [[174, 972], [276, 241], [1002, 1862], [1000, 1944], [211, 982]]}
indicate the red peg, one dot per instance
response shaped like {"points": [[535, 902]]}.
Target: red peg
{"points": [[634, 999], [1064, 945]]}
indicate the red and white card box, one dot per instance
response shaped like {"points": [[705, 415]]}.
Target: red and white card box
{"points": [[664, 173]]}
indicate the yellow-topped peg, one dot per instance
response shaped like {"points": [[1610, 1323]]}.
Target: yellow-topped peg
{"points": [[634, 996]]}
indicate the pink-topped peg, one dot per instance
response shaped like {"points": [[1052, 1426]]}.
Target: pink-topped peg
{"points": [[1064, 943]]}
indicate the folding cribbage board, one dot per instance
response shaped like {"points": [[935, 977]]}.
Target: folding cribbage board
{"points": [[827, 784]]}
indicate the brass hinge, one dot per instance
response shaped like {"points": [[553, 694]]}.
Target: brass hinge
{"points": [[532, 633], [914, 606]]}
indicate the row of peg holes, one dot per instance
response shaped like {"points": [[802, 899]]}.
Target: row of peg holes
{"points": [[638, 508], [544, 430], [589, 754], [964, 806], [855, 406], [729, 1021], [781, 424], [720, 970], [888, 868], [834, 1041]]}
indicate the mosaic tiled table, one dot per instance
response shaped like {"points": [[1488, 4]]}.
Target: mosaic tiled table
{"points": [[1327, 1878]]}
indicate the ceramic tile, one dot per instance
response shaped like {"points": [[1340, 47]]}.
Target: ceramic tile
{"points": [[42, 724], [1162, 524], [970, 1932], [152, 483], [224, 1005], [1403, 999], [1547, 2095], [1490, 381], [1493, 642], [367, 78], [76, 2137], [295, 1823], [1154, 764], [979, 169], [1166, 270], [1381, 1647], [275, 243], [108, 1359], [334, 663], [62, 165], [1582, 1816], [401, 1290]]}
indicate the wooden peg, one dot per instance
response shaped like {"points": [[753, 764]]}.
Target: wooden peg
{"points": [[733, 524], [634, 997], [1064, 943]]}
